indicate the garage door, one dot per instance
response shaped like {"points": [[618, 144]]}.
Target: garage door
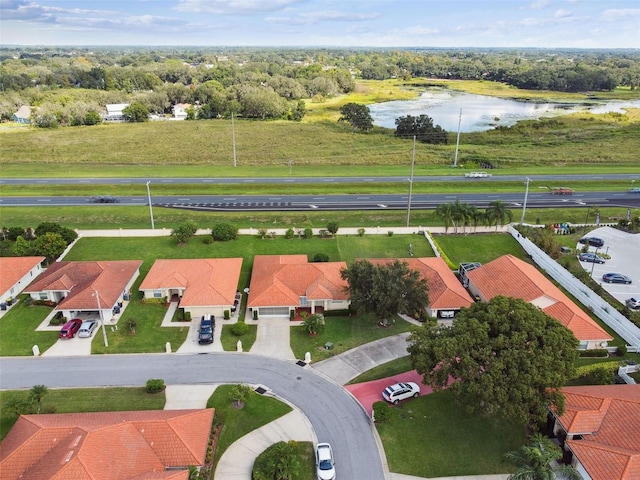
{"points": [[274, 311]]}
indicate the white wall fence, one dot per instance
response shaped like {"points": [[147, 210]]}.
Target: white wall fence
{"points": [[605, 312], [624, 371]]}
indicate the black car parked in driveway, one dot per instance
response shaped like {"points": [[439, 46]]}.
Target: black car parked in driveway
{"points": [[207, 326]]}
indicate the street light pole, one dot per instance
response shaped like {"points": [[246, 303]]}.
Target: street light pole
{"points": [[594, 263], [413, 161], [586, 219], [524, 205], [104, 332], [150, 208]]}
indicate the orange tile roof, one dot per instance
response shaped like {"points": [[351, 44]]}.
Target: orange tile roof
{"points": [[608, 418], [280, 280], [81, 279], [106, 445], [512, 277], [206, 281], [445, 291], [12, 269]]}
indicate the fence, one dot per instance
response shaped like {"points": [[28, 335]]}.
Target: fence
{"points": [[605, 312]]}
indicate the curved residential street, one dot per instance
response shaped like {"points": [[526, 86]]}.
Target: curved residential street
{"points": [[335, 415]]}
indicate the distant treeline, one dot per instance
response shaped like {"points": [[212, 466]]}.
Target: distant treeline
{"points": [[225, 78]]}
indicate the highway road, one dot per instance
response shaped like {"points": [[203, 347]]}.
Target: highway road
{"points": [[551, 180], [336, 416], [536, 199]]}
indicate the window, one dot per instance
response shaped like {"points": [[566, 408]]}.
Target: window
{"points": [[44, 296], [304, 302], [157, 294]]}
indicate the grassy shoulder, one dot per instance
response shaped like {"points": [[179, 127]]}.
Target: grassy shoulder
{"points": [[257, 411], [72, 400], [431, 436]]}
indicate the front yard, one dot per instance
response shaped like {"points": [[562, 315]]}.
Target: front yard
{"points": [[18, 330]]}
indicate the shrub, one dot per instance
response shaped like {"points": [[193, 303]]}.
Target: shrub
{"points": [[48, 409], [390, 233], [381, 411], [155, 385], [361, 232], [332, 227], [262, 232], [308, 232], [240, 328], [227, 314], [321, 257], [598, 352], [621, 351], [292, 314], [289, 233], [207, 240], [223, 232], [278, 461]]}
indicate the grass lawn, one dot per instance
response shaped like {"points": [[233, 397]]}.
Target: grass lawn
{"points": [[258, 411], [394, 367], [352, 247], [230, 341], [431, 436], [71, 400], [17, 330], [479, 247], [345, 333]]}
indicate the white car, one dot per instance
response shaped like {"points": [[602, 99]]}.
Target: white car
{"points": [[87, 328], [400, 391], [477, 175], [325, 465]]}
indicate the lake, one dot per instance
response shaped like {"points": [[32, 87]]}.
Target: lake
{"points": [[479, 112]]}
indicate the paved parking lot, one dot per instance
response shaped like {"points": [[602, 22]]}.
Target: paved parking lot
{"points": [[624, 249]]}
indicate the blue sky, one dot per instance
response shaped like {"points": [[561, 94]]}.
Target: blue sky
{"points": [[345, 23]]}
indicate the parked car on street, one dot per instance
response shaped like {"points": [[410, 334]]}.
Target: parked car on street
{"points": [[325, 464], [590, 257], [400, 391], [70, 329], [616, 278], [205, 332], [87, 328], [593, 241]]}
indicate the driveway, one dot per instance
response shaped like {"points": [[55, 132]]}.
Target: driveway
{"points": [[191, 344], [68, 347], [369, 392], [273, 338], [335, 415], [624, 249]]}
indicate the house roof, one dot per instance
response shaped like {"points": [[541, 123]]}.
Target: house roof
{"points": [[23, 112], [206, 282], [445, 291], [280, 280], [12, 269], [608, 419], [106, 445], [115, 108], [80, 281], [512, 277]]}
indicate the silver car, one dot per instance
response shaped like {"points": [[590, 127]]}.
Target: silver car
{"points": [[87, 328]]}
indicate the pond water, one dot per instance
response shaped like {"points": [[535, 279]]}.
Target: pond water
{"points": [[479, 112]]}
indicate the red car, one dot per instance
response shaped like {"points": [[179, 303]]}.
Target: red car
{"points": [[70, 329]]}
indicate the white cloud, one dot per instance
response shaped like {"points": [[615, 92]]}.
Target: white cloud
{"points": [[234, 7], [539, 4], [614, 14], [562, 13]]}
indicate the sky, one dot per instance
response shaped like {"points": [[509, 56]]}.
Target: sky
{"points": [[346, 23]]}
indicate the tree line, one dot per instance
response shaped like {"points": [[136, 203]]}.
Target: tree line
{"points": [[232, 80]]}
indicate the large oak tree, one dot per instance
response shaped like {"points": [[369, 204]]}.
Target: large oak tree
{"points": [[386, 289], [503, 357]]}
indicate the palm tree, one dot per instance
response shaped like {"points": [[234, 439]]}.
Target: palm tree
{"points": [[445, 212], [37, 392], [476, 216], [535, 461], [460, 214], [498, 213], [15, 406]]}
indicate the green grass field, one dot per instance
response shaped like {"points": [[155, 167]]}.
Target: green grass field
{"points": [[17, 330], [431, 436]]}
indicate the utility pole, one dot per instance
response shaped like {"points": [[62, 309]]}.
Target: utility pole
{"points": [[413, 161], [104, 332], [455, 159], [524, 205], [153, 227], [233, 140]]}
